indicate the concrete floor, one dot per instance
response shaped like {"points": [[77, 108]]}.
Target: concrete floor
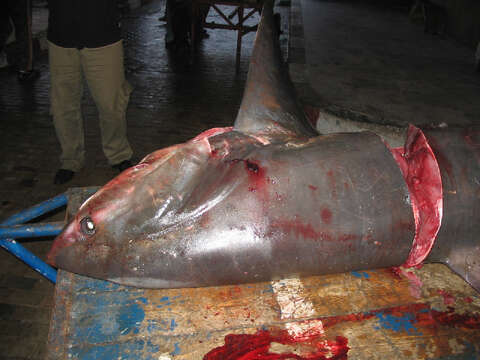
{"points": [[372, 64], [350, 59]]}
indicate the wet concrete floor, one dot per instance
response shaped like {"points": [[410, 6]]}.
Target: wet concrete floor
{"points": [[389, 72], [372, 63]]}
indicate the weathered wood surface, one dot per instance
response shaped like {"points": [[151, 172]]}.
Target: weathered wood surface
{"points": [[380, 314]]}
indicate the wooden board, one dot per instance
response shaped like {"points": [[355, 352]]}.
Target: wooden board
{"points": [[377, 314]]}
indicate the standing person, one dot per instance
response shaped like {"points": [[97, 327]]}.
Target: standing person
{"points": [[477, 58], [84, 40], [19, 54], [5, 31]]}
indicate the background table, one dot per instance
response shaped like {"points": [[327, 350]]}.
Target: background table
{"points": [[234, 20]]}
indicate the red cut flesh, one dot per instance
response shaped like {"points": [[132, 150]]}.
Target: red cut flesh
{"points": [[422, 175]]}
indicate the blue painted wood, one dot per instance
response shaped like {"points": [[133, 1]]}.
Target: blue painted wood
{"points": [[95, 319]]}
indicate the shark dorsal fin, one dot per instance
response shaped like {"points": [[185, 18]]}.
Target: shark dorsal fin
{"points": [[269, 106]]}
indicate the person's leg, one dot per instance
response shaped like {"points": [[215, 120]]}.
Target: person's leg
{"points": [[66, 91], [5, 30], [477, 58], [169, 12], [204, 9], [104, 71], [21, 52]]}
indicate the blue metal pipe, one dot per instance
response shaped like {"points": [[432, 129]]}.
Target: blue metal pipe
{"points": [[31, 230], [29, 258], [36, 210]]}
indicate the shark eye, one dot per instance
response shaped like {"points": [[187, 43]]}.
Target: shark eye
{"points": [[87, 226]]}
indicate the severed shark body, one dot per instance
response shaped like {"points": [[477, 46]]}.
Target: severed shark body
{"points": [[271, 198]]}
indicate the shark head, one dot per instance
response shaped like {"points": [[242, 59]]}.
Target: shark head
{"points": [[150, 200]]}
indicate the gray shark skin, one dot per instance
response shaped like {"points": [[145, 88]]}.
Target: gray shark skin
{"points": [[270, 198]]}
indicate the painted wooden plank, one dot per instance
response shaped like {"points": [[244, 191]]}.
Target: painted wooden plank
{"points": [[416, 320]]}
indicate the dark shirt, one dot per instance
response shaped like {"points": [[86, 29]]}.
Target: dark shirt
{"points": [[83, 23]]}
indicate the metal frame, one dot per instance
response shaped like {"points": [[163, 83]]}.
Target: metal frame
{"points": [[14, 227]]}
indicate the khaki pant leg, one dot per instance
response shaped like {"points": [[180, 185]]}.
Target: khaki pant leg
{"points": [[103, 69], [66, 91]]}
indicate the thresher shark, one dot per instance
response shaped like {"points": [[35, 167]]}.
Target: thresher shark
{"points": [[271, 198]]}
